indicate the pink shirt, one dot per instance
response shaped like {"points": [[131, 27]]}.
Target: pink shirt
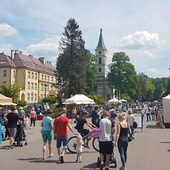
{"points": [[33, 114]]}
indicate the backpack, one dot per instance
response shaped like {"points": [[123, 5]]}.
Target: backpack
{"points": [[135, 124]]}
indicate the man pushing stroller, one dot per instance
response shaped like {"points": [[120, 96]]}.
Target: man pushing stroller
{"points": [[106, 140]]}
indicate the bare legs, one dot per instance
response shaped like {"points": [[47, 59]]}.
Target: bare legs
{"points": [[45, 148]]}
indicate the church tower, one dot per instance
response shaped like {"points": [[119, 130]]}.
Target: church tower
{"points": [[102, 83], [101, 57]]}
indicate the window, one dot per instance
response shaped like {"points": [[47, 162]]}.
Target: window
{"points": [[41, 87], [51, 79], [35, 86], [4, 82], [35, 76], [100, 70], [32, 96], [45, 77], [32, 75], [28, 86], [28, 74], [35, 97], [48, 78], [28, 96], [100, 60], [42, 76], [14, 74], [5, 73], [32, 86]]}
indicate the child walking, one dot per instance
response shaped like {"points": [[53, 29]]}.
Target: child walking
{"points": [[79, 148], [26, 121]]}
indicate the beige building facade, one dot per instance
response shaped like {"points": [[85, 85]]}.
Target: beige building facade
{"points": [[35, 77]]}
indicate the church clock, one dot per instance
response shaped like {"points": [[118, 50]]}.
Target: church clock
{"points": [[100, 52]]}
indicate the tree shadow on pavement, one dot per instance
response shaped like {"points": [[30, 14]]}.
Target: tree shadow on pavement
{"points": [[151, 126], [90, 166], [38, 160]]}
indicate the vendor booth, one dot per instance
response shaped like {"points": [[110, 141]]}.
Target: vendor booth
{"points": [[79, 99], [166, 111], [6, 101]]}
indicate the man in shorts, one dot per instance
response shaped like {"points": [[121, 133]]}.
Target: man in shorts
{"points": [[105, 139], [13, 118], [61, 134]]}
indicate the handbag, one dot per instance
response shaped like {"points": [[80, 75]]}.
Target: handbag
{"points": [[130, 139]]}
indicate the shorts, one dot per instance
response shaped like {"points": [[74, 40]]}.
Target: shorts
{"points": [[106, 147], [83, 132], [12, 132], [47, 135], [62, 140]]}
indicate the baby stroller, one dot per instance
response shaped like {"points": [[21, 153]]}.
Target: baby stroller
{"points": [[112, 160], [20, 135]]}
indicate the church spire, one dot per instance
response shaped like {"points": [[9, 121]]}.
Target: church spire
{"points": [[101, 41]]}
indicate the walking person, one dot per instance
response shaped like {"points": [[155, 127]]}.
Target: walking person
{"points": [[1, 122], [121, 140], [60, 131], [79, 148], [148, 113], [7, 136], [105, 139], [33, 117], [95, 115], [13, 118], [47, 126], [130, 120]]}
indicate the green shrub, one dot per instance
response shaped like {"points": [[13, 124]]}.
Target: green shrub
{"points": [[21, 103]]}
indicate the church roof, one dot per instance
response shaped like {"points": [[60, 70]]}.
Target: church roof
{"points": [[101, 41]]}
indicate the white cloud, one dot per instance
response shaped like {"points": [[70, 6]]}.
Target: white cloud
{"points": [[140, 40], [7, 30], [46, 46], [152, 70]]}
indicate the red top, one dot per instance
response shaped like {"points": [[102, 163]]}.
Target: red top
{"points": [[61, 123]]}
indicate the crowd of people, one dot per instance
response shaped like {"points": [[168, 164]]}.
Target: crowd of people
{"points": [[115, 122], [9, 119]]}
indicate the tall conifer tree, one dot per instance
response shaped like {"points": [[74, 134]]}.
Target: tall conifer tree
{"points": [[72, 61]]}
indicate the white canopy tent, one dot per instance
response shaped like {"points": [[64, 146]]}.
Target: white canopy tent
{"points": [[6, 101], [166, 110], [79, 99], [123, 100], [114, 100]]}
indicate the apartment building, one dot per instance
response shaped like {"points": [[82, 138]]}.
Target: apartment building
{"points": [[35, 77]]}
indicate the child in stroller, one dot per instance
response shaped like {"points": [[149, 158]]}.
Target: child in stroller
{"points": [[20, 135]]}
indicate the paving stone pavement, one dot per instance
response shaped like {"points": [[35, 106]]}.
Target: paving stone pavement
{"points": [[150, 150]]}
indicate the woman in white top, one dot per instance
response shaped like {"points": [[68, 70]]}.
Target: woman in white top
{"points": [[130, 120]]}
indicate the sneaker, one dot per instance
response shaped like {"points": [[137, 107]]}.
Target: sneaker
{"points": [[61, 159], [51, 155], [106, 168], [101, 166], [11, 147]]}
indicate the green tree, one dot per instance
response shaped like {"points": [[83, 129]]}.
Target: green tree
{"points": [[122, 75], [145, 88], [11, 91], [91, 75], [72, 62]]}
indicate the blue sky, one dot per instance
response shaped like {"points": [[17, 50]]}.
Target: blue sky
{"points": [[141, 29]]}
